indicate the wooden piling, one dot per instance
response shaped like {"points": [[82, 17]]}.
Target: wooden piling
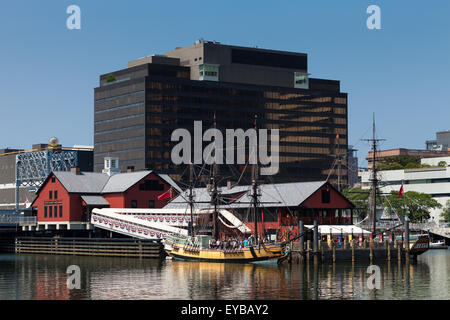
{"points": [[308, 249], [333, 251], [388, 251], [406, 233], [301, 231], [353, 251], [322, 251], [316, 237], [301, 241]]}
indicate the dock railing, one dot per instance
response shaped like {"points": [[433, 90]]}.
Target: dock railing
{"points": [[17, 219]]}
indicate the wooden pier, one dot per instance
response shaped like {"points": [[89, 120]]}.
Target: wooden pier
{"points": [[113, 247], [369, 251]]}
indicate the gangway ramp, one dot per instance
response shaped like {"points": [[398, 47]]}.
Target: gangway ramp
{"points": [[154, 223]]}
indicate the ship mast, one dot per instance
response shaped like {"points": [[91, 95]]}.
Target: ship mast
{"points": [[215, 193], [255, 186], [191, 198], [374, 179]]}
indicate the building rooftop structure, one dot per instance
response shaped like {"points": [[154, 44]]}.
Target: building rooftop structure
{"points": [[442, 141]]}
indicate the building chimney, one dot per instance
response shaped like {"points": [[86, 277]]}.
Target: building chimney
{"points": [[75, 171], [130, 169]]}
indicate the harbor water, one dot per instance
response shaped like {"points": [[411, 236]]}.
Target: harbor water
{"points": [[29, 276]]}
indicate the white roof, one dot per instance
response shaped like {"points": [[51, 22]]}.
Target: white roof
{"points": [[170, 181], [94, 200], [85, 182], [272, 195], [121, 182], [95, 182]]}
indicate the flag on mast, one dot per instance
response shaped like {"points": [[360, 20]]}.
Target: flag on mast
{"points": [[400, 192], [166, 195]]}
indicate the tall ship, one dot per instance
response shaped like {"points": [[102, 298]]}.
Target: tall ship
{"points": [[206, 240], [419, 242]]}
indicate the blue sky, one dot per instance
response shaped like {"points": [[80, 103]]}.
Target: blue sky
{"points": [[401, 72]]}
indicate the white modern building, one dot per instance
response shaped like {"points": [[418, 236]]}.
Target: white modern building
{"points": [[434, 181]]}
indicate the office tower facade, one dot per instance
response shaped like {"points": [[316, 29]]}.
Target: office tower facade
{"points": [[137, 108]]}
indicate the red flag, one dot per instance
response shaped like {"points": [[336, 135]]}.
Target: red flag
{"points": [[166, 195], [400, 192]]}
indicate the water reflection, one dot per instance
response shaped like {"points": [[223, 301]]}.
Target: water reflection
{"points": [[44, 277]]}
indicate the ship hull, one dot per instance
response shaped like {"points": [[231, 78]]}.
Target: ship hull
{"points": [[245, 255]]}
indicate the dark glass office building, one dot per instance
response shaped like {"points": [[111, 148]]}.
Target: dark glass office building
{"points": [[138, 108]]}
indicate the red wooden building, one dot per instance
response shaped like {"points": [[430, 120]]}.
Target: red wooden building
{"points": [[283, 205], [70, 196]]}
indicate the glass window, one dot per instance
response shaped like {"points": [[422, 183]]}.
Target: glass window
{"points": [[208, 72], [151, 203], [325, 196], [301, 80], [60, 211], [50, 194], [56, 211], [50, 208], [134, 203], [56, 194], [53, 179], [45, 212]]}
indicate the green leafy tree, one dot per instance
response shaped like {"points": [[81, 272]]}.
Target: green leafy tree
{"points": [[415, 205], [442, 164], [360, 198], [399, 162], [446, 212], [412, 165]]}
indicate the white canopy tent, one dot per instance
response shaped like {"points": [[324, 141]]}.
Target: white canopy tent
{"points": [[339, 229]]}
